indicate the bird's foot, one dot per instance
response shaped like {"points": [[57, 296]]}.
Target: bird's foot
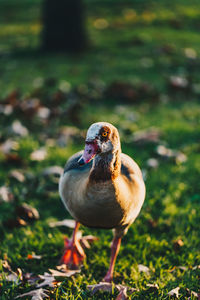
{"points": [[73, 254], [108, 278]]}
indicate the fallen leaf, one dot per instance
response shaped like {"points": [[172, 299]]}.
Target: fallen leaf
{"points": [[142, 268], [67, 135], [49, 280], [153, 286], [8, 146], [12, 98], [196, 267], [43, 112], [192, 293], [190, 53], [34, 256], [65, 272], [6, 109], [15, 277], [178, 82], [17, 175], [109, 287], [151, 135], [152, 163], [178, 244], [167, 153], [101, 286], [38, 294], [122, 294], [27, 212], [152, 223], [54, 170], [5, 195], [12, 223], [182, 268], [19, 129], [30, 278], [67, 222], [121, 90], [12, 277], [6, 265], [85, 240], [30, 106], [38, 155], [174, 292], [101, 24]]}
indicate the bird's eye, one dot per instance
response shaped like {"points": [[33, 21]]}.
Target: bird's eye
{"points": [[104, 134]]}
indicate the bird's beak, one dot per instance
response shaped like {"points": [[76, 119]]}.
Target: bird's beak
{"points": [[90, 151]]}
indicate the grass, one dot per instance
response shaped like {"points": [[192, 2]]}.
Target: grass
{"points": [[128, 49]]}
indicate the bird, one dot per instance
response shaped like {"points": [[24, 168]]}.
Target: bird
{"points": [[101, 187]]}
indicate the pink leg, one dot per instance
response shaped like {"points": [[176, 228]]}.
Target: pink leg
{"points": [[73, 253], [114, 251]]}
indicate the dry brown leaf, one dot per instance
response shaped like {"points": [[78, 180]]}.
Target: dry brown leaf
{"points": [[142, 268], [182, 268], [17, 175], [192, 293], [27, 212], [174, 292], [167, 153], [6, 109], [65, 272], [12, 277], [151, 135], [12, 223], [109, 287], [67, 222], [30, 278], [101, 286], [8, 146], [6, 265], [19, 129], [38, 294], [43, 112], [49, 280], [34, 256], [5, 194], [178, 82], [38, 155], [15, 277], [54, 170], [152, 163], [85, 240], [178, 244], [122, 294], [153, 286], [196, 267]]}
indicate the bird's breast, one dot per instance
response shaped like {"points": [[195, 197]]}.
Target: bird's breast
{"points": [[94, 205]]}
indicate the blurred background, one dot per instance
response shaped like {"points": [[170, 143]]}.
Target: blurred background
{"points": [[68, 63], [132, 41]]}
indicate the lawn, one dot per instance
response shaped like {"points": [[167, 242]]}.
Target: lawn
{"points": [[140, 73]]}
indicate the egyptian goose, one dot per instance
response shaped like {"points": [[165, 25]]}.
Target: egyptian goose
{"points": [[101, 188]]}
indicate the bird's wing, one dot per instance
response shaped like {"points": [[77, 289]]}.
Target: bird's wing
{"points": [[72, 163], [129, 167]]}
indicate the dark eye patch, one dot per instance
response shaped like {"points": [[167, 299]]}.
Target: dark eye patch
{"points": [[103, 130]]}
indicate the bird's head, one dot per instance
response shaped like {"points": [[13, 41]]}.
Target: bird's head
{"points": [[101, 138]]}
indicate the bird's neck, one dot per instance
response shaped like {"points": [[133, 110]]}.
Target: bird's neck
{"points": [[106, 166]]}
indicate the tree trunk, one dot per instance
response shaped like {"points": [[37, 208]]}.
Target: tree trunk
{"points": [[63, 26]]}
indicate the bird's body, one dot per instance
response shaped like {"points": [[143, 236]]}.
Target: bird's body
{"points": [[113, 203], [102, 187]]}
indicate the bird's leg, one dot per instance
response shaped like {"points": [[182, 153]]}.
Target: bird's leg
{"points": [[114, 251], [73, 253]]}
